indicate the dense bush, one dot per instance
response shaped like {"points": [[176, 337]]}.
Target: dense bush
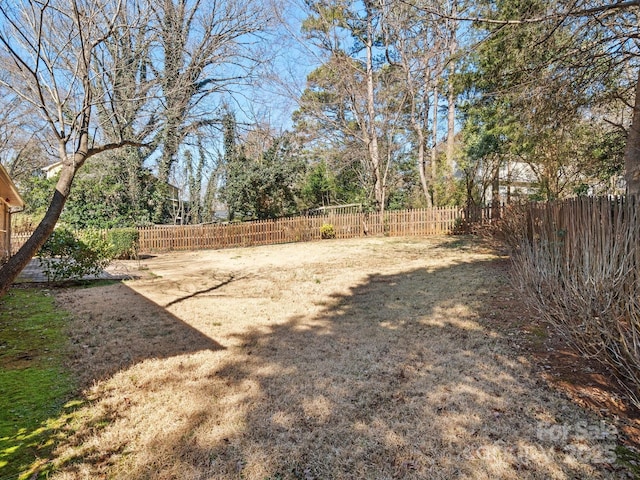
{"points": [[124, 242], [66, 255], [327, 231]]}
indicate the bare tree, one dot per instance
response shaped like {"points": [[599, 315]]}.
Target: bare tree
{"points": [[203, 48], [21, 150], [48, 55], [418, 53], [128, 90]]}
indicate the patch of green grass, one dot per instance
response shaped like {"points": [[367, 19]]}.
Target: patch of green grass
{"points": [[88, 283], [34, 386], [538, 334], [628, 458], [99, 282]]}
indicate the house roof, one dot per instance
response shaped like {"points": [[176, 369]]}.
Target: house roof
{"points": [[8, 191], [51, 166], [52, 169]]}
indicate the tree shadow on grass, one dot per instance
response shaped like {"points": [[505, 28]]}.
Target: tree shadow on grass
{"points": [[203, 291], [397, 378], [129, 330]]}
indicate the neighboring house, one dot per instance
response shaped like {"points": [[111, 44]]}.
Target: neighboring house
{"points": [[52, 170], [517, 179], [10, 203]]}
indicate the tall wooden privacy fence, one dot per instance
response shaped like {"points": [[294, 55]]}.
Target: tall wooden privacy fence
{"points": [[583, 224]]}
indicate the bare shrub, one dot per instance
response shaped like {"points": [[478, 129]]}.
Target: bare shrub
{"points": [[578, 264], [509, 230]]}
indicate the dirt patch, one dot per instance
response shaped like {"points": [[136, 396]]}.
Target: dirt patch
{"points": [[375, 358]]}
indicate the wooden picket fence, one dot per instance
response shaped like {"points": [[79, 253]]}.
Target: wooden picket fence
{"points": [[433, 221], [17, 240], [395, 223]]}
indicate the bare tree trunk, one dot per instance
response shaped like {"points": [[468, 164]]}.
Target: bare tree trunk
{"points": [[508, 181], [374, 151], [451, 125], [422, 167], [632, 149], [434, 146], [418, 129], [495, 193], [451, 98], [10, 270]]}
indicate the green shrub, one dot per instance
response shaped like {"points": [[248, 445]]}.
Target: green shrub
{"points": [[124, 242], [68, 256], [327, 231], [97, 242]]}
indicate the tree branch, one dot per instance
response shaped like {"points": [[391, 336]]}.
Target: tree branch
{"points": [[113, 146], [554, 16]]}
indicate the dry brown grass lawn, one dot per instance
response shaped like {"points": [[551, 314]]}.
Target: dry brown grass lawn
{"points": [[363, 359]]}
